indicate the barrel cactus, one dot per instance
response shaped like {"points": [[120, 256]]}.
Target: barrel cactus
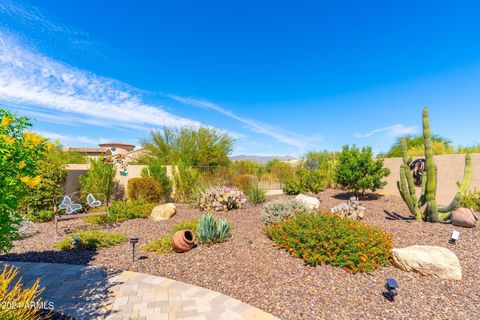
{"points": [[432, 212]]}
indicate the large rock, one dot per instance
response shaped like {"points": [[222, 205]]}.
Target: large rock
{"points": [[26, 229], [464, 217], [309, 202], [163, 212], [436, 262]]}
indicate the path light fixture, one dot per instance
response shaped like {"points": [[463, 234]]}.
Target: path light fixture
{"points": [[391, 287], [75, 241], [133, 240], [454, 237]]}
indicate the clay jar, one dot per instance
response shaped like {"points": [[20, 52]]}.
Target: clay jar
{"points": [[183, 240]]}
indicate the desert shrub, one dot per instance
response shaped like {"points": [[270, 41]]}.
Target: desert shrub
{"points": [[145, 188], [323, 163], [415, 147], [293, 186], [120, 211], [164, 244], [249, 167], [40, 216], [358, 172], [91, 240], [255, 193], [279, 169], [471, 200], [38, 200], [280, 210], [221, 199], [99, 178], [217, 176], [186, 181], [212, 230], [203, 146], [325, 238], [244, 181], [16, 302], [158, 172], [20, 151]]}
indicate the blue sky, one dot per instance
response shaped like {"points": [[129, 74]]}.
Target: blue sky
{"points": [[283, 77]]}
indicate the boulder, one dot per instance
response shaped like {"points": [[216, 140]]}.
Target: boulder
{"points": [[26, 229], [435, 262], [163, 212], [464, 217], [310, 203]]}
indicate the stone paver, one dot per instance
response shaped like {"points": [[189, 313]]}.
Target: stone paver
{"points": [[89, 293]]}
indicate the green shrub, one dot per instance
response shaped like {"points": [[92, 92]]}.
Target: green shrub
{"points": [[38, 200], [41, 216], [19, 152], [324, 164], [293, 186], [99, 178], [145, 188], [244, 181], [358, 172], [256, 194], [186, 180], [120, 211], [212, 230], [91, 240], [221, 199], [164, 244], [280, 210], [471, 200], [346, 243], [159, 172]]}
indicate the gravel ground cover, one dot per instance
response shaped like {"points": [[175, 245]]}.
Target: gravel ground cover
{"points": [[250, 268]]}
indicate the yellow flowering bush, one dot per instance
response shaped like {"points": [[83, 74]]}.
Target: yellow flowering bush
{"points": [[20, 149]]}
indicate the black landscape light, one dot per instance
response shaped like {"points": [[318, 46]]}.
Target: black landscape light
{"points": [[75, 241], [392, 287], [133, 240], [454, 237]]}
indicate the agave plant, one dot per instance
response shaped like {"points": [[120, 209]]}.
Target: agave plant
{"points": [[212, 230]]}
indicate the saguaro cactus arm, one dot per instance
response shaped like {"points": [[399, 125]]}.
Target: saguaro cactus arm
{"points": [[463, 187]]}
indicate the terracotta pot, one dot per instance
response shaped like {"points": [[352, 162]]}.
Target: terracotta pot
{"points": [[183, 240]]}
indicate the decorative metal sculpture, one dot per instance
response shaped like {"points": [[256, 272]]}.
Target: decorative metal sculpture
{"points": [[118, 160], [92, 202], [69, 206], [417, 167]]}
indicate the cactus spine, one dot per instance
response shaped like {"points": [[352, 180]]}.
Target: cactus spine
{"points": [[407, 189]]}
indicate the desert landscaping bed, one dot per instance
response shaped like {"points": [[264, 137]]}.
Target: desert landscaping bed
{"points": [[250, 268]]}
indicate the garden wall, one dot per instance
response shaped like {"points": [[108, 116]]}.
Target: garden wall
{"points": [[450, 170]]}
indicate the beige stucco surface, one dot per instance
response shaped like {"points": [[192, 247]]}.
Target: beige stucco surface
{"points": [[450, 171]]}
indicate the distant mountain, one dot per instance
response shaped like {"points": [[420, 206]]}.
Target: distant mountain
{"points": [[261, 159]]}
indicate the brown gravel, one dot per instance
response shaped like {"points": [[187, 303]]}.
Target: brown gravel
{"points": [[251, 269]]}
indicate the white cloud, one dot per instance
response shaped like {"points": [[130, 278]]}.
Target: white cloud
{"points": [[69, 139], [253, 125], [395, 131], [27, 77]]}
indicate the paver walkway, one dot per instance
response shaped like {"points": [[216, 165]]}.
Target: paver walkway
{"points": [[89, 293]]}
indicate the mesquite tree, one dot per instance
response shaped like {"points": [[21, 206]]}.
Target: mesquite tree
{"points": [[406, 186]]}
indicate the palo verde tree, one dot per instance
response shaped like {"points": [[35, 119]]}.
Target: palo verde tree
{"points": [[406, 185]]}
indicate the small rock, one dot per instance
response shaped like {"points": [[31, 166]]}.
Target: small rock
{"points": [[464, 217], [163, 212], [310, 203], [435, 262], [26, 229]]}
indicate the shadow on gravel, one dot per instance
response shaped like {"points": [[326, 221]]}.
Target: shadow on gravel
{"points": [[366, 197], [395, 216], [82, 257]]}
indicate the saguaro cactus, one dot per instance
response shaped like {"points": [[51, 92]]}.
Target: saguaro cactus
{"points": [[406, 186]]}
